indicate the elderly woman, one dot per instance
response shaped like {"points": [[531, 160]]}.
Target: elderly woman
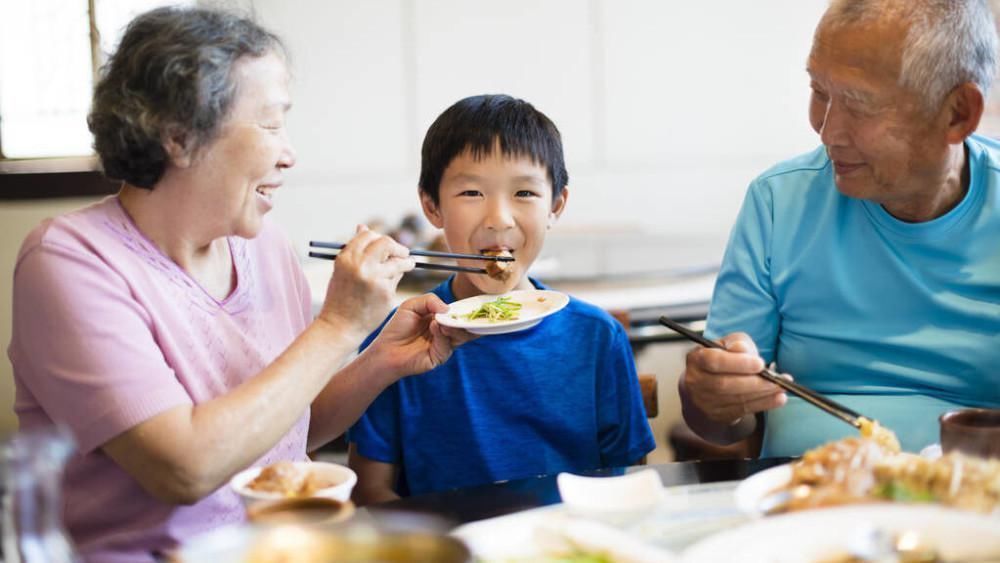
{"points": [[169, 326]]}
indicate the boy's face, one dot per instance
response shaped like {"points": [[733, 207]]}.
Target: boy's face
{"points": [[495, 203]]}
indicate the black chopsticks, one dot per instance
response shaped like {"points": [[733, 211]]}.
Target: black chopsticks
{"points": [[829, 405], [415, 252]]}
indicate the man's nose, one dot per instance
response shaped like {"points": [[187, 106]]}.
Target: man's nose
{"points": [[833, 132]]}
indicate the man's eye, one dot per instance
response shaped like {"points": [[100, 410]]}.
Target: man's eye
{"points": [[819, 95]]}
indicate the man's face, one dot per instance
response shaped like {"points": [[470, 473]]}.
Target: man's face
{"points": [[883, 145], [494, 203]]}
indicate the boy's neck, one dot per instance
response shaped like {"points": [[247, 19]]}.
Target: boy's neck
{"points": [[463, 288]]}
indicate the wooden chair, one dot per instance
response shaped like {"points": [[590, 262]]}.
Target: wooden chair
{"points": [[647, 381]]}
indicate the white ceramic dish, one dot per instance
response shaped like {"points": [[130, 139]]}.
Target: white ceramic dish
{"points": [[822, 535], [344, 478], [616, 500], [536, 304], [752, 490], [546, 533]]}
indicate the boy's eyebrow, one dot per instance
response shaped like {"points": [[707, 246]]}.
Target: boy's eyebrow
{"points": [[533, 178], [466, 177]]}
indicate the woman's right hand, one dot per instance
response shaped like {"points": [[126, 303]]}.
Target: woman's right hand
{"points": [[363, 285]]}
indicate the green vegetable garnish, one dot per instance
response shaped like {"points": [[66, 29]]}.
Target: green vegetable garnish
{"points": [[899, 492], [501, 309]]}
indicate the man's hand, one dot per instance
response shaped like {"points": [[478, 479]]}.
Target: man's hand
{"points": [[413, 342], [723, 384]]}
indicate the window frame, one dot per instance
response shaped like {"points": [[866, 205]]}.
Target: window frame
{"points": [[57, 177]]}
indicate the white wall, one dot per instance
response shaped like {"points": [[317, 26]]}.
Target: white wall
{"points": [[668, 108]]}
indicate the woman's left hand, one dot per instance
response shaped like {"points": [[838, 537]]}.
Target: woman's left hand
{"points": [[413, 342]]}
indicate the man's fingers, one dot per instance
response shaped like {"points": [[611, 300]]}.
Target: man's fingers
{"points": [[739, 342], [713, 360]]}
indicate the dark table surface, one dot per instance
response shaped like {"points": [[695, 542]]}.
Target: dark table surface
{"points": [[477, 503]]}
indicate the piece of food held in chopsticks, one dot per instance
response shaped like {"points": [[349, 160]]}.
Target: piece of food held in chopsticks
{"points": [[499, 270], [500, 309]]}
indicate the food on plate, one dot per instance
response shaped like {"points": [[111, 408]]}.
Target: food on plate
{"points": [[289, 480], [859, 470], [500, 309], [882, 435], [498, 270]]}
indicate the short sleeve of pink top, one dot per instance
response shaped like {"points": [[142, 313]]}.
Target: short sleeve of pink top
{"points": [[109, 332]]}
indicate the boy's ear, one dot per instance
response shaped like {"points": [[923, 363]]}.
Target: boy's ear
{"points": [[558, 205], [431, 210]]}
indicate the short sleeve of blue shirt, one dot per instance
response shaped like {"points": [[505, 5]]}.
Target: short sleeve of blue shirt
{"points": [[562, 396]]}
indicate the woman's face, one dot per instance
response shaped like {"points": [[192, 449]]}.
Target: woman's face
{"points": [[238, 172]]}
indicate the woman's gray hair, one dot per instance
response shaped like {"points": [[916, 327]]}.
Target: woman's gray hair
{"points": [[171, 76], [949, 42]]}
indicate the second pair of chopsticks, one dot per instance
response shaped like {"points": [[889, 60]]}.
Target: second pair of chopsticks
{"points": [[415, 252], [829, 405]]}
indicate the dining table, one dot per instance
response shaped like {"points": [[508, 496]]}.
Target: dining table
{"points": [[465, 505], [698, 501]]}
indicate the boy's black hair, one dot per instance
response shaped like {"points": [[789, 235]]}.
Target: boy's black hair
{"points": [[478, 124]]}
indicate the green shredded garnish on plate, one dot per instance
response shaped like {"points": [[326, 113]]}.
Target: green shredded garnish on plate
{"points": [[900, 492], [501, 309]]}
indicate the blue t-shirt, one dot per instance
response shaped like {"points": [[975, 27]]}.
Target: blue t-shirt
{"points": [[899, 321], [562, 396]]}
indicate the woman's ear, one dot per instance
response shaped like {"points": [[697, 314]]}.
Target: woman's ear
{"points": [[431, 210], [176, 145], [558, 205]]}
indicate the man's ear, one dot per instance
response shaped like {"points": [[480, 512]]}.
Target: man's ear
{"points": [[176, 143], [431, 210], [558, 205], [964, 109]]}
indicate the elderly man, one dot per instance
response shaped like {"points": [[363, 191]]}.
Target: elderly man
{"points": [[869, 269]]}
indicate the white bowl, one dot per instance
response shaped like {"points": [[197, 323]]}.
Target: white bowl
{"points": [[343, 476], [616, 500]]}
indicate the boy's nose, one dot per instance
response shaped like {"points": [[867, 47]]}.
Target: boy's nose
{"points": [[499, 217]]}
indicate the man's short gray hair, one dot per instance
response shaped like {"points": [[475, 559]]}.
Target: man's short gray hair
{"points": [[949, 42]]}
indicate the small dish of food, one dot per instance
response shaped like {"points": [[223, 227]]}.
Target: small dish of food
{"points": [[294, 480], [501, 314]]}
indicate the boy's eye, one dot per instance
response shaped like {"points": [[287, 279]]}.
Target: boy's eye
{"points": [[469, 193], [525, 193]]}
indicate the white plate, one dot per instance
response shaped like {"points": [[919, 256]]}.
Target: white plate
{"points": [[536, 304], [544, 533], [753, 489], [820, 535]]}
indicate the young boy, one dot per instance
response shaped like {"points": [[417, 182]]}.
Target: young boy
{"points": [[562, 396]]}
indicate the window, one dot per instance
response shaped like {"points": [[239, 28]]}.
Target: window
{"points": [[50, 51], [48, 60]]}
